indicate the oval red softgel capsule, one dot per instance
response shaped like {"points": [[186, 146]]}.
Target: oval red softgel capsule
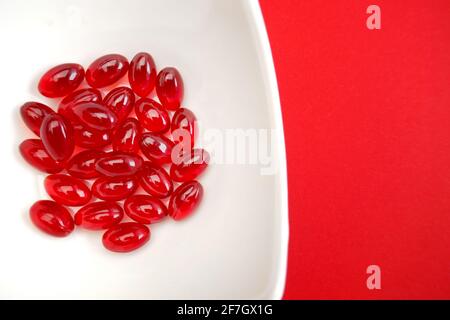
{"points": [[184, 119], [145, 209], [126, 136], [152, 116], [126, 237], [52, 218], [88, 138], [78, 96], [115, 163], [67, 190], [114, 188], [185, 199], [142, 74], [155, 180], [58, 137], [190, 166], [157, 148], [61, 80], [82, 165], [94, 116], [170, 88], [33, 113], [120, 100], [99, 215], [106, 70], [34, 152]]}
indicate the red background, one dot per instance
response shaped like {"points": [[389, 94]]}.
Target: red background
{"points": [[367, 126]]}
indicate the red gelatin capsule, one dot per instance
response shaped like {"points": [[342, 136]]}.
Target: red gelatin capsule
{"points": [[67, 190], [106, 70], [94, 116], [33, 151], [79, 96], [61, 80], [88, 138], [127, 135], [185, 199], [33, 113], [51, 218], [57, 137], [190, 166], [82, 165], [155, 180], [184, 119], [126, 237], [115, 163], [120, 101], [114, 188], [170, 88], [156, 148], [142, 74], [152, 115], [99, 215], [145, 209]]}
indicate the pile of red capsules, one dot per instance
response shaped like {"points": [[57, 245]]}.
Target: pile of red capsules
{"points": [[99, 151]]}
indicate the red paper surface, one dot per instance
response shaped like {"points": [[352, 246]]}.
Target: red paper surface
{"points": [[367, 125]]}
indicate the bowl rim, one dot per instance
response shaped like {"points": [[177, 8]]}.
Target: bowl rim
{"points": [[263, 46]]}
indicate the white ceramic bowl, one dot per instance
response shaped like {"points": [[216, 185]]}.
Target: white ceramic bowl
{"points": [[235, 245]]}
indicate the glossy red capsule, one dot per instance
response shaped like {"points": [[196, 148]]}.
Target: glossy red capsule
{"points": [[33, 151], [184, 119], [155, 180], [82, 165], [126, 237], [58, 137], [145, 209], [114, 188], [67, 190], [114, 164], [88, 138], [33, 113], [185, 199], [191, 165], [120, 101], [94, 116], [142, 74], [61, 80], [106, 70], [51, 218], [152, 115], [99, 215], [78, 96], [156, 148], [127, 135], [170, 88]]}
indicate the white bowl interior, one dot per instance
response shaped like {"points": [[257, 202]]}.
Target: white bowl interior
{"points": [[235, 245]]}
